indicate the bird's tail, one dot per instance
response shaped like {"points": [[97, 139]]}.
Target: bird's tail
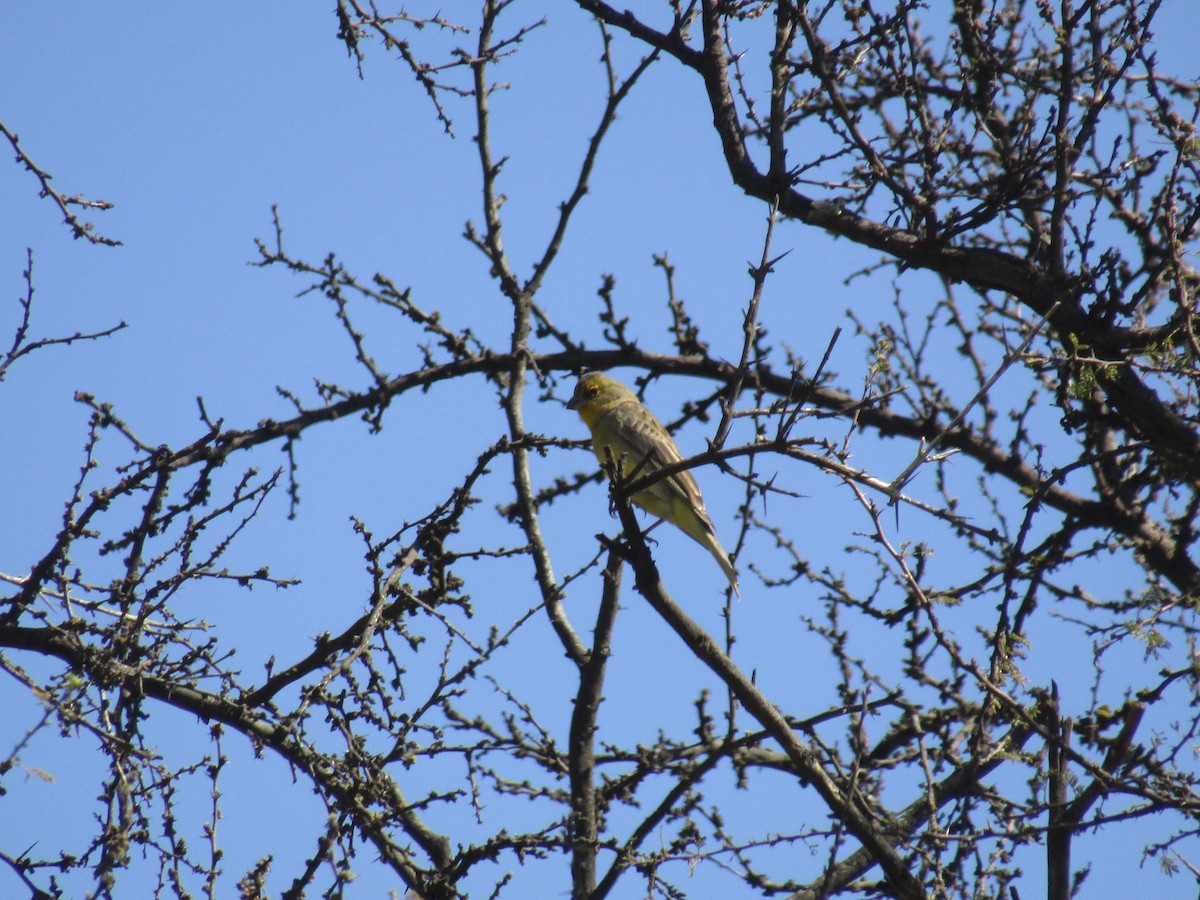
{"points": [[728, 569], [709, 540]]}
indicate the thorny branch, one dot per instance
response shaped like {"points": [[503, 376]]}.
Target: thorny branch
{"points": [[908, 722]]}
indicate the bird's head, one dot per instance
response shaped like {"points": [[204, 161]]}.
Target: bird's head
{"points": [[596, 394]]}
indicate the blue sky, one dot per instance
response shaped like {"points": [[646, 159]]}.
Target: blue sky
{"points": [[194, 120]]}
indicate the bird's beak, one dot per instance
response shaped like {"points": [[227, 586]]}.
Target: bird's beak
{"points": [[573, 403]]}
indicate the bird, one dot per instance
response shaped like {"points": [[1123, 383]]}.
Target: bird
{"points": [[635, 439]]}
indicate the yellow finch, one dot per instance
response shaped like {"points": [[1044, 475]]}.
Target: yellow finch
{"points": [[639, 443]]}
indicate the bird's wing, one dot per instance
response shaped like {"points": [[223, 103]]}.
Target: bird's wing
{"points": [[648, 440]]}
